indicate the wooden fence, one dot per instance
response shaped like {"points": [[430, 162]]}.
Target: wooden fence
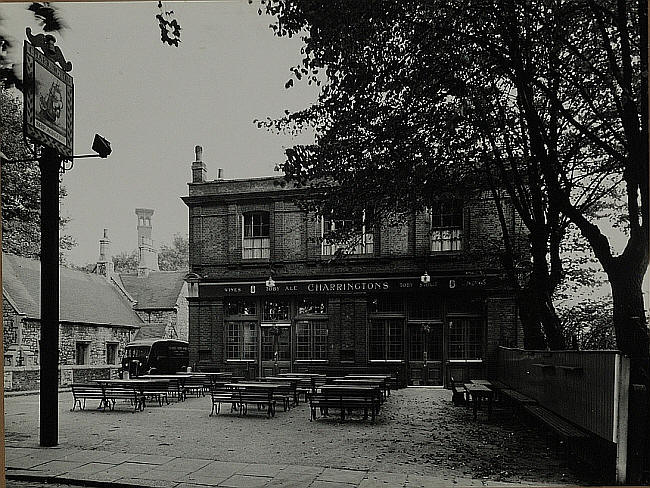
{"points": [[587, 388]]}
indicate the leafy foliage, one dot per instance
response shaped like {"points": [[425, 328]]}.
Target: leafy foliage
{"points": [[21, 197], [126, 262], [175, 257], [546, 101]]}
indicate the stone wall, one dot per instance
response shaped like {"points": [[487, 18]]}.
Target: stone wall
{"points": [[97, 337], [27, 378]]}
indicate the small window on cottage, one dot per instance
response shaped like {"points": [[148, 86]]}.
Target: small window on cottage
{"points": [[82, 353], [111, 353], [447, 226], [256, 242]]}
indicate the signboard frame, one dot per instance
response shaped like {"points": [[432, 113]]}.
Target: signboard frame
{"points": [[43, 82]]}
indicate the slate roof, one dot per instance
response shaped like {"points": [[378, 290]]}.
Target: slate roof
{"points": [[151, 330], [159, 290], [84, 297]]}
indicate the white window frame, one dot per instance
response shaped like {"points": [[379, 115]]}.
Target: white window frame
{"points": [[265, 242], [451, 238], [366, 246]]}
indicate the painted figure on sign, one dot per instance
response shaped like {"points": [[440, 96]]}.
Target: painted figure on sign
{"points": [[52, 105]]}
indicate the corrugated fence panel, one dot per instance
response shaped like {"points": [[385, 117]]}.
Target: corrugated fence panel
{"points": [[577, 385]]}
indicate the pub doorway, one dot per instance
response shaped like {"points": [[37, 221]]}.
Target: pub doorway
{"points": [[426, 349], [276, 348]]}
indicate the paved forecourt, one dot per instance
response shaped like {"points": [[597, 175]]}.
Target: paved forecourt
{"points": [[112, 469]]}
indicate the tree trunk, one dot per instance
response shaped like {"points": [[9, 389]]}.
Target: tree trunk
{"points": [[629, 315], [530, 318]]}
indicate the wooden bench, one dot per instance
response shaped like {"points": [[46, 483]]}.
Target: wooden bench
{"points": [[260, 398], [562, 428], [345, 399], [516, 397], [197, 384], [91, 391], [115, 392], [457, 392], [220, 394], [156, 390]]}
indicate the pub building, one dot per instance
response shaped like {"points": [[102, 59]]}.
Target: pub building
{"points": [[268, 295]]}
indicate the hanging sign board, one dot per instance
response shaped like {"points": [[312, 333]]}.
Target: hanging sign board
{"points": [[48, 91]]}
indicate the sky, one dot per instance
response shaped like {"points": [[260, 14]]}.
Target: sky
{"points": [[155, 102]]}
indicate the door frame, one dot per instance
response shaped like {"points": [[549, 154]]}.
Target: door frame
{"points": [[436, 323], [288, 325]]}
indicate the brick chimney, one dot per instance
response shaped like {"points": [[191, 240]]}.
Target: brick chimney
{"points": [[147, 255], [199, 170], [105, 265]]}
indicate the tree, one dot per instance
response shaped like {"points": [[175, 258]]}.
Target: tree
{"points": [[21, 198], [411, 86], [126, 262], [176, 256]]}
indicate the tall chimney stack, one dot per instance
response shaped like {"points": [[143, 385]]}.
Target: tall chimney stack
{"points": [[105, 265], [199, 170]]}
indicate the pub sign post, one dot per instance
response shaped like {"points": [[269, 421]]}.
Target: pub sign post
{"points": [[48, 121]]}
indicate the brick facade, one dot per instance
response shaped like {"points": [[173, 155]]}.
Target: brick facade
{"points": [[469, 291]]}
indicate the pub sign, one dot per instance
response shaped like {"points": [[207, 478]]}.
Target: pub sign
{"points": [[48, 115]]}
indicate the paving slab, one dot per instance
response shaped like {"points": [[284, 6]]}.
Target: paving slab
{"points": [[242, 481], [185, 465], [87, 456], [330, 484], [269, 470], [127, 469], [293, 469], [288, 483], [88, 468], [342, 476], [145, 483], [56, 468], [219, 468], [162, 475], [151, 459], [209, 480]]}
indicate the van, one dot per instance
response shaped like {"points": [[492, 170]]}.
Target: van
{"points": [[155, 356]]}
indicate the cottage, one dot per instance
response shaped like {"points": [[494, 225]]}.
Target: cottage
{"points": [[96, 322]]}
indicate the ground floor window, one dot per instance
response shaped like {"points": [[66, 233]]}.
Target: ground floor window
{"points": [[311, 339], [466, 338], [269, 335], [111, 353], [241, 340], [82, 353], [385, 338]]}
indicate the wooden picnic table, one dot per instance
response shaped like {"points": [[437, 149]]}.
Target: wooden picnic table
{"points": [[142, 386], [255, 392], [386, 377], [376, 382], [478, 393], [481, 382], [177, 380], [346, 397]]}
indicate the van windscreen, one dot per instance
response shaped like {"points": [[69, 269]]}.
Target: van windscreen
{"points": [[137, 352]]}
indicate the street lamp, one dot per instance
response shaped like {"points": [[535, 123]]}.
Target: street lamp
{"points": [[425, 278]]}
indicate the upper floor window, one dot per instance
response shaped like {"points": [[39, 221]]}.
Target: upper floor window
{"points": [[447, 226], [256, 242], [337, 235]]}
